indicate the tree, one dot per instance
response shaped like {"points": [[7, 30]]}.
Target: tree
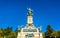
{"points": [[49, 31], [7, 31], [54, 34], [16, 32], [1, 33], [58, 33]]}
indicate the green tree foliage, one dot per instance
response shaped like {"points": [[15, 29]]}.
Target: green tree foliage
{"points": [[1, 33], [49, 31], [58, 33], [16, 31], [8, 33]]}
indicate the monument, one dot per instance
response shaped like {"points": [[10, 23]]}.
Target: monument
{"points": [[29, 31]]}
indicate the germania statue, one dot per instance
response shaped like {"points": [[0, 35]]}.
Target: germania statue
{"points": [[30, 11]]}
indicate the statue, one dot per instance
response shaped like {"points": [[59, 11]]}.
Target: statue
{"points": [[39, 28], [19, 28], [29, 11]]}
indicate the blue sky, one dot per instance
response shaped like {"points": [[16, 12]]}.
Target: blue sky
{"points": [[14, 13]]}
